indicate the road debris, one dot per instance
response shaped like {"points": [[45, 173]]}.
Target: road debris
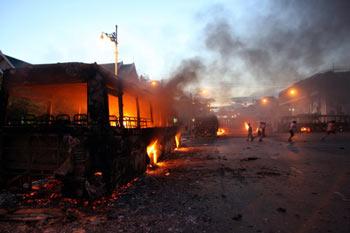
{"points": [[237, 217], [249, 159], [281, 210], [191, 193], [342, 196], [32, 215]]}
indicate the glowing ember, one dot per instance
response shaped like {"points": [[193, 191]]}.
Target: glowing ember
{"points": [[182, 149], [305, 129], [98, 174], [177, 140], [220, 132], [153, 152]]}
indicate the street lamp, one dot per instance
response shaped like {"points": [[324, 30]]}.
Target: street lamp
{"points": [[204, 92], [292, 92], [264, 101], [154, 83], [114, 38]]}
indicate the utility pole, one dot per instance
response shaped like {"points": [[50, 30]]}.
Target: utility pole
{"points": [[114, 38], [116, 51]]}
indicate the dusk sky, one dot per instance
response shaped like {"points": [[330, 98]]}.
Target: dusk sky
{"points": [[154, 34], [246, 47]]}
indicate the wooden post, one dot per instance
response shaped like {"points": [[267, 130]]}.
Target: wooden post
{"points": [[138, 113], [151, 113], [120, 103], [121, 113]]}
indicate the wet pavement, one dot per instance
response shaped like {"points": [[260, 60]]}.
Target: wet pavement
{"points": [[226, 185]]}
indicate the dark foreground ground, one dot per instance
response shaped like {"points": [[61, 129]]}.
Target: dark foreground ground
{"points": [[228, 185]]}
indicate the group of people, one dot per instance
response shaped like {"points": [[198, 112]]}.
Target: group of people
{"points": [[331, 129], [261, 132]]}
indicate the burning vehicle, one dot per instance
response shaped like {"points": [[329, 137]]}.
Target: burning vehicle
{"points": [[79, 123]]}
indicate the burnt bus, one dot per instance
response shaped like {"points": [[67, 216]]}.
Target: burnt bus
{"points": [[79, 123], [205, 126]]}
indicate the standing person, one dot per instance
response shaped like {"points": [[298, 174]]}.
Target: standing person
{"points": [[292, 130], [250, 133], [261, 131], [330, 129]]}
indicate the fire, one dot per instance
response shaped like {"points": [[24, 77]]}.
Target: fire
{"points": [[220, 132], [177, 140], [153, 152], [182, 149], [305, 129], [246, 126]]}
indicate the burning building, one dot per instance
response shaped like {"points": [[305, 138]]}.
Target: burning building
{"points": [[76, 120]]}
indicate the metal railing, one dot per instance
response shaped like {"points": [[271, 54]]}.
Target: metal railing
{"points": [[76, 120], [47, 119], [130, 122]]}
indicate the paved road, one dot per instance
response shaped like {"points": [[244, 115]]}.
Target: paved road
{"points": [[230, 185]]}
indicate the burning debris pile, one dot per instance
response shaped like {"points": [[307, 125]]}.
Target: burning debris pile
{"points": [[48, 194]]}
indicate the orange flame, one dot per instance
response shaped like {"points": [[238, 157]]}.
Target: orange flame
{"points": [[153, 152], [220, 132], [305, 129], [177, 140], [246, 126]]}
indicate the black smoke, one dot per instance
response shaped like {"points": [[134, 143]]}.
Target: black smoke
{"points": [[289, 41], [295, 39]]}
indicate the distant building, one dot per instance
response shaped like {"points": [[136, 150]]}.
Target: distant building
{"points": [[325, 93]]}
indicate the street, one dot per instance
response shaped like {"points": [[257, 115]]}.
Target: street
{"points": [[226, 185]]}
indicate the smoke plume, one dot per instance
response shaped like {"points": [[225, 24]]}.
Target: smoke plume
{"points": [[287, 41]]}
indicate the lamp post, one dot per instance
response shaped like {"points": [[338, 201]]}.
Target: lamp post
{"points": [[114, 38]]}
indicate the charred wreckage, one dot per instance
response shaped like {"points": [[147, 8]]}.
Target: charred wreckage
{"points": [[79, 123]]}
